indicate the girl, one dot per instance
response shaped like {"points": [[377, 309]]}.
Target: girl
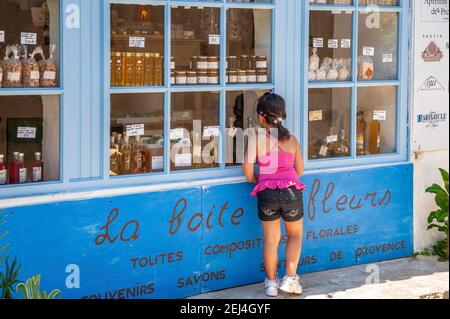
{"points": [[278, 189]]}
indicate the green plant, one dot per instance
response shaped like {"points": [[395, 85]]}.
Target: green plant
{"points": [[3, 234], [31, 289], [9, 278], [439, 218]]}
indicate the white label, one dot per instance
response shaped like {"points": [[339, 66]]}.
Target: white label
{"points": [[346, 43], [262, 79], [202, 80], [209, 131], [172, 65], [23, 175], [191, 80], [213, 65], [369, 51], [135, 130], [37, 174], [26, 132], [183, 160], [332, 139], [323, 151], [3, 177], [318, 42], [214, 39], [13, 76], [34, 75], [49, 75], [202, 65], [379, 115], [261, 64], [315, 116], [242, 79], [2, 36], [28, 38], [176, 134], [388, 58], [157, 162], [333, 43], [136, 42]]}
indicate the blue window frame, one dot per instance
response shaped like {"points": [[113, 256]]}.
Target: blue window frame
{"points": [[357, 88]]}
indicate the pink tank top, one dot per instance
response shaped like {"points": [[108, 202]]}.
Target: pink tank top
{"points": [[277, 170]]}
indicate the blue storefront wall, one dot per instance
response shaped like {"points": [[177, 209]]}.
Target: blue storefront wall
{"points": [[183, 242]]}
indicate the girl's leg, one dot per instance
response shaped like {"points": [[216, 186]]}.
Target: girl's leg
{"points": [[272, 237], [294, 231]]}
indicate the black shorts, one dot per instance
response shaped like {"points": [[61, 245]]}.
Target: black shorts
{"points": [[276, 203]]}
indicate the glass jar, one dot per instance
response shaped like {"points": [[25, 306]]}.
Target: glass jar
{"points": [[172, 63], [139, 78], [158, 69], [202, 77], [202, 63], [181, 78], [149, 78], [245, 62], [193, 63], [119, 69], [251, 76], [261, 62], [213, 77], [242, 76], [130, 69], [232, 63], [262, 76], [213, 63], [232, 77], [172, 78], [191, 78]]}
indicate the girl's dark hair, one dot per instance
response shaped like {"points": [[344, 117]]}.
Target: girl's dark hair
{"points": [[273, 108]]}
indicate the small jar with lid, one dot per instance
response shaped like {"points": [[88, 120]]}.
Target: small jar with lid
{"points": [[232, 63], [261, 62], [262, 76], [242, 76], [172, 64], [172, 78], [181, 78], [213, 77], [202, 77], [202, 63], [213, 63], [244, 62], [191, 78], [251, 76], [232, 76], [193, 63]]}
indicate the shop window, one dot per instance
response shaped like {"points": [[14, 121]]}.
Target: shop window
{"points": [[29, 44], [137, 134], [194, 131], [379, 2], [29, 139], [241, 116], [249, 41]]}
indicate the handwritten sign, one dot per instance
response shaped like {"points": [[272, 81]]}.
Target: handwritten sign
{"points": [[368, 51], [2, 36], [135, 130], [388, 57], [136, 42], [26, 132], [28, 38], [210, 131], [214, 39], [317, 42], [332, 139], [346, 43], [176, 134], [379, 115], [333, 43], [315, 116]]}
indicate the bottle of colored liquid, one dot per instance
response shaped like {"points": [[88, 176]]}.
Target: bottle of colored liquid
{"points": [[113, 157], [3, 170], [22, 169], [361, 127], [374, 137], [38, 168], [137, 161], [14, 169], [126, 157]]}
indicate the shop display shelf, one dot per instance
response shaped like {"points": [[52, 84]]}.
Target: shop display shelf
{"points": [[31, 91]]}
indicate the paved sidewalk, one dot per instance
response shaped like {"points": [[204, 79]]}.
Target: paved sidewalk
{"points": [[409, 278]]}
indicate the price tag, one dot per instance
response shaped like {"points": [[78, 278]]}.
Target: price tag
{"points": [[209, 131], [26, 132], [136, 42], [183, 160], [346, 43], [315, 116], [28, 38], [318, 42], [157, 162], [333, 43], [323, 151], [214, 39], [332, 139], [176, 134], [369, 51], [2, 36], [135, 130], [379, 115], [388, 58]]}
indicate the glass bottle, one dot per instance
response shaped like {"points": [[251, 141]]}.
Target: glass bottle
{"points": [[343, 148], [126, 151], [38, 168], [119, 70], [148, 69], [139, 69], [3, 170], [158, 69], [112, 61], [136, 157], [130, 69], [14, 169], [22, 169], [114, 157], [361, 128], [374, 137]]}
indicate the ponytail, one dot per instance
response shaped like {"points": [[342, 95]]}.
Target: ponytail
{"points": [[273, 107]]}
